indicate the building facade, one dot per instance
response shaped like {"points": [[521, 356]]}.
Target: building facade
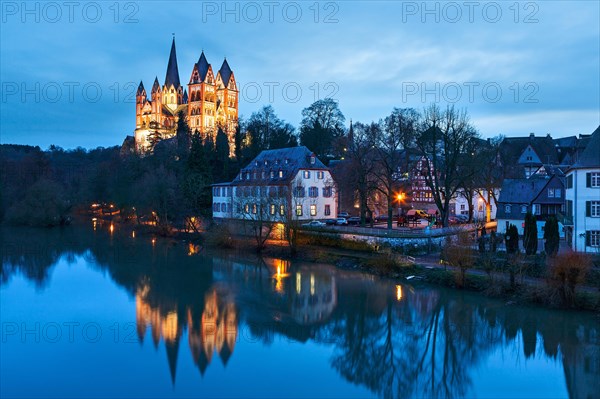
{"points": [[278, 186], [209, 103], [583, 199]]}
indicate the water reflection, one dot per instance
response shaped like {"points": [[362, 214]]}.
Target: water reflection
{"points": [[395, 340]]}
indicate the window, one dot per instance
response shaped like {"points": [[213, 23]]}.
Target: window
{"points": [[320, 175], [557, 193], [280, 173], [592, 209], [462, 207], [570, 181], [313, 210], [592, 238], [272, 174], [299, 192], [306, 174], [480, 208], [247, 208], [523, 208], [536, 209], [327, 191], [507, 209], [247, 175], [313, 192], [254, 209], [298, 210], [327, 210], [550, 193], [592, 179], [218, 204], [313, 159], [272, 209], [281, 210]]}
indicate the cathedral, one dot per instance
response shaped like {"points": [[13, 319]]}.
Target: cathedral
{"points": [[209, 103]]}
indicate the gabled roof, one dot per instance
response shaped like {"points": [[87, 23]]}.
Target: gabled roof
{"points": [[288, 160], [590, 158], [185, 96], [172, 77], [203, 66], [225, 72], [521, 191], [513, 147]]}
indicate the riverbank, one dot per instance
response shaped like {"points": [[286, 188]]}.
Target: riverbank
{"points": [[426, 269]]}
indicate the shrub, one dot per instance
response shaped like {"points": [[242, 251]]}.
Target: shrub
{"points": [[460, 254], [566, 272], [530, 237], [512, 239]]}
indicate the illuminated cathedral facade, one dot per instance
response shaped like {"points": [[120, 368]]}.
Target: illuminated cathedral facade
{"points": [[210, 103]]}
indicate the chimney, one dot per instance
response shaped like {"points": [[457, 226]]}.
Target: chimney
{"points": [[531, 135]]}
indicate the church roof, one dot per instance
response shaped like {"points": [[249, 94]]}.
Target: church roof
{"points": [[140, 89], [225, 72], [172, 77], [156, 85], [185, 96], [590, 158], [203, 66]]}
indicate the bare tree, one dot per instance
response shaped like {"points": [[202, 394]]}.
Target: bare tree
{"points": [[444, 139], [397, 133]]}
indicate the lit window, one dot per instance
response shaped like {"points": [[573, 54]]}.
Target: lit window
{"points": [[272, 209], [313, 210], [298, 210], [320, 175], [280, 173], [306, 174], [272, 174], [281, 210], [254, 209], [247, 208]]}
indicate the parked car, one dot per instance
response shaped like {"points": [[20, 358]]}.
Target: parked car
{"points": [[415, 214], [314, 223], [381, 218], [462, 218], [345, 215], [329, 221], [341, 221], [353, 220]]}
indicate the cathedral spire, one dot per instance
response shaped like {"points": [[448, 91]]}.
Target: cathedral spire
{"points": [[156, 85], [140, 89], [172, 77], [225, 72], [203, 66]]}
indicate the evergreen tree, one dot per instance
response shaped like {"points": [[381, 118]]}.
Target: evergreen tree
{"points": [[183, 135], [530, 237], [512, 239], [197, 180], [221, 167], [551, 235]]}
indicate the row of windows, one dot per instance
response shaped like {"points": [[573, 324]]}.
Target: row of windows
{"points": [[221, 207], [554, 193], [592, 180], [272, 174], [253, 191], [313, 192], [274, 209], [221, 191]]}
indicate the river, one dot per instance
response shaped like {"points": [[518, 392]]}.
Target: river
{"points": [[98, 313]]}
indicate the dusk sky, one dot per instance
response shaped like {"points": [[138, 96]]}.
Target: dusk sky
{"points": [[69, 70]]}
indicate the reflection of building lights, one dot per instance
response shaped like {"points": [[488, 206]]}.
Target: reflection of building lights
{"points": [[281, 267], [112, 228], [94, 223], [193, 249], [398, 292], [133, 234], [312, 284], [298, 283], [153, 241]]}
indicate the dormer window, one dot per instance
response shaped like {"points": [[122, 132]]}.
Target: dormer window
{"points": [[256, 163], [287, 161], [266, 163], [313, 159], [272, 174]]}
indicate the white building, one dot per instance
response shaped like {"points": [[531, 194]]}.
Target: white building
{"points": [[583, 199], [481, 200], [278, 185]]}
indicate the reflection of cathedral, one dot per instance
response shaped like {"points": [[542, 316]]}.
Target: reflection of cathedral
{"points": [[215, 330]]}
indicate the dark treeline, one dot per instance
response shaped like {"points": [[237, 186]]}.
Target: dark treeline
{"points": [[171, 184]]}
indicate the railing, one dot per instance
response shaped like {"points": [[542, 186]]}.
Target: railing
{"points": [[394, 233]]}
